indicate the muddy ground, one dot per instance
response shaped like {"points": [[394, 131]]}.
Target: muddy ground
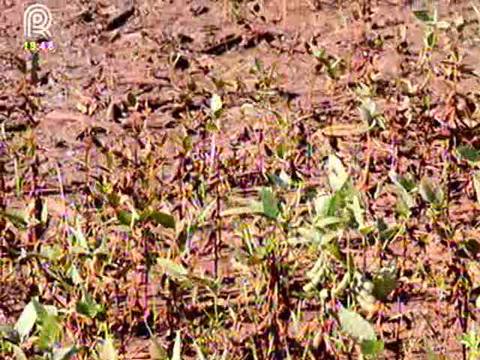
{"points": [[126, 71]]}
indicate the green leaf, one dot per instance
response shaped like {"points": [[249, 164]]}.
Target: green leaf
{"points": [[177, 348], [127, 218], [74, 275], [270, 203], [18, 218], [26, 321], [468, 153], [106, 350], [356, 326], [323, 205], [385, 281], [431, 192], [49, 333], [337, 175], [160, 218], [423, 16], [372, 348], [405, 182], [216, 104], [79, 237], [89, 307], [357, 211], [172, 268], [328, 221]]}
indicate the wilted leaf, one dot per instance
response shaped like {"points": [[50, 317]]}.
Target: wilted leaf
{"points": [[65, 353], [200, 355], [356, 326], [157, 352], [9, 333], [19, 354], [337, 175], [177, 348], [106, 350], [255, 208], [476, 184], [338, 130], [368, 110]]}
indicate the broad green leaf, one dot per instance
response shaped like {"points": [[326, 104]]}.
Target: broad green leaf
{"points": [[26, 321], [431, 192], [423, 16], [79, 238], [106, 350], [65, 353], [468, 153], [159, 217], [74, 275], [356, 326], [89, 307], [337, 175], [322, 205], [127, 218], [270, 203], [216, 104], [385, 281], [372, 348], [177, 348], [405, 182], [357, 211], [18, 218], [49, 333]]}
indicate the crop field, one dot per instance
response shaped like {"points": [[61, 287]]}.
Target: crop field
{"points": [[233, 179]]}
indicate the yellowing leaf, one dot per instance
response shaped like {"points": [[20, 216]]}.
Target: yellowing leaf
{"points": [[338, 130]]}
